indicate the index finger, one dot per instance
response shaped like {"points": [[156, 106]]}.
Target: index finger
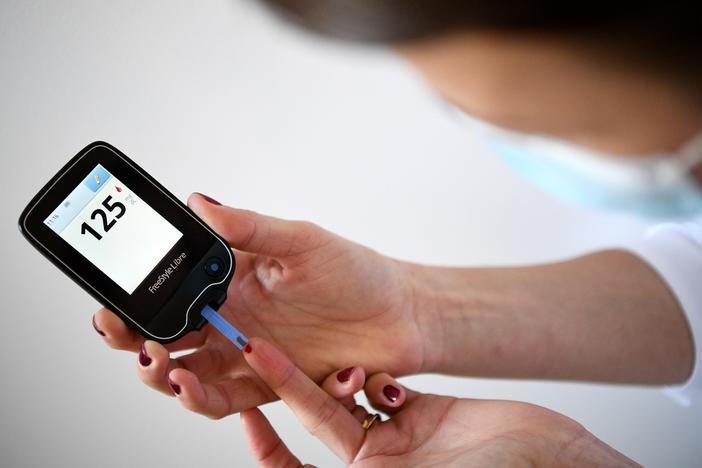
{"points": [[253, 232], [321, 414]]}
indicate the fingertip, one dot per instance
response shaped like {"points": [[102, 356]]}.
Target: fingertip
{"points": [[251, 419], [101, 319], [256, 350], [248, 414], [200, 200], [265, 444], [188, 388], [248, 352], [103, 314], [358, 379], [269, 362], [345, 383], [151, 351], [115, 332], [145, 358], [394, 396], [197, 397], [235, 225], [384, 391], [153, 364], [97, 327], [344, 375]]}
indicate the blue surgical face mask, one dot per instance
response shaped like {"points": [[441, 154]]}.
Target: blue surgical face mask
{"points": [[653, 186]]}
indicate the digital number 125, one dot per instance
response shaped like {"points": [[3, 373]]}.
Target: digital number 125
{"points": [[99, 212]]}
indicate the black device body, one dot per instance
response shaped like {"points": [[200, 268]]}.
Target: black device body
{"points": [[166, 304]]}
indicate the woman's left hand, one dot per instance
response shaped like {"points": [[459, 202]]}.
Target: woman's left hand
{"points": [[423, 430]]}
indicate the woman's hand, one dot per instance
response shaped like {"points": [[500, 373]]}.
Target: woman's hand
{"points": [[424, 430], [324, 300]]}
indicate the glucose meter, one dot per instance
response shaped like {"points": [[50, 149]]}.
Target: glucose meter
{"points": [[130, 243]]}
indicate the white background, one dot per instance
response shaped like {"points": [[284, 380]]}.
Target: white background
{"points": [[133, 246], [218, 97]]}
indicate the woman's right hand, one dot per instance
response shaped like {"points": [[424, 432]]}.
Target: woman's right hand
{"points": [[326, 301], [423, 430]]}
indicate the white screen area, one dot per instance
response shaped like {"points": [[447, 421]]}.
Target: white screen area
{"points": [[114, 229]]}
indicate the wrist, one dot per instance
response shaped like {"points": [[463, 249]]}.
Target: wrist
{"points": [[445, 315], [424, 310]]}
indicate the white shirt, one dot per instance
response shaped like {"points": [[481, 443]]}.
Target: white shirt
{"points": [[674, 250]]}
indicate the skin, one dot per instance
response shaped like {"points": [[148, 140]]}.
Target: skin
{"points": [[299, 286], [330, 303], [559, 87], [309, 291], [424, 430]]}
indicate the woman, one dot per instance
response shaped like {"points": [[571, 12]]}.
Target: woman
{"points": [[622, 87]]}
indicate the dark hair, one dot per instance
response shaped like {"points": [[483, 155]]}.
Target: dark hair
{"points": [[665, 35]]}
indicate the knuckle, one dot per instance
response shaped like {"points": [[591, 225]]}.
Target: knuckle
{"points": [[286, 380], [223, 404], [305, 236], [307, 232], [325, 412], [250, 235]]}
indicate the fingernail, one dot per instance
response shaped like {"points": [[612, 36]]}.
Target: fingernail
{"points": [[247, 348], [102, 333], [210, 199], [174, 386], [391, 393], [345, 375], [144, 358]]}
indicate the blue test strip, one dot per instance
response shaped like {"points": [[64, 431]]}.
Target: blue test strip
{"points": [[224, 327]]}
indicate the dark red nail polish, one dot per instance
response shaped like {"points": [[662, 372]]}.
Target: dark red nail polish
{"points": [[247, 348], [391, 393], [344, 375], [144, 358], [174, 386], [210, 199], [102, 333]]}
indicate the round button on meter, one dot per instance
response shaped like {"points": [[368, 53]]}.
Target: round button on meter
{"points": [[214, 266]]}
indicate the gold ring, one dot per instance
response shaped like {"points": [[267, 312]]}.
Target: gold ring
{"points": [[369, 420]]}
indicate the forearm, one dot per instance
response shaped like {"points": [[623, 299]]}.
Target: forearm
{"points": [[602, 317]]}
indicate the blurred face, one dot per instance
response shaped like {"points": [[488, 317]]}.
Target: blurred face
{"points": [[549, 86]]}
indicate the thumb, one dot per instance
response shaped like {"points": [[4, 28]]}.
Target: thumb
{"points": [[267, 447], [251, 232]]}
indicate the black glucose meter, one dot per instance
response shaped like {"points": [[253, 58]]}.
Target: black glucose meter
{"points": [[130, 243]]}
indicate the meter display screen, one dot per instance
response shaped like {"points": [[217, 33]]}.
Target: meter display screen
{"points": [[113, 228]]}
